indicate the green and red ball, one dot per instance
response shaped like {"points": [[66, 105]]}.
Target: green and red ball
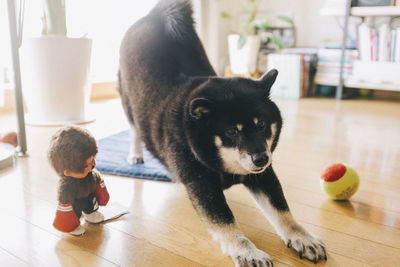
{"points": [[339, 181]]}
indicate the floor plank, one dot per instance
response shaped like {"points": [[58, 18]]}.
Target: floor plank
{"points": [[162, 228], [7, 259]]}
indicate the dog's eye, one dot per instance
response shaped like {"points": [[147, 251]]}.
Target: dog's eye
{"points": [[231, 132], [261, 125]]}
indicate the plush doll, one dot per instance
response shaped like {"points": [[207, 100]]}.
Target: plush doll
{"points": [[81, 190]]}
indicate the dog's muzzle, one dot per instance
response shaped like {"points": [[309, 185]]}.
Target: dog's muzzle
{"points": [[260, 159]]}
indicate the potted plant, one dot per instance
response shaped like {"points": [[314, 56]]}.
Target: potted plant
{"points": [[55, 71], [245, 44]]}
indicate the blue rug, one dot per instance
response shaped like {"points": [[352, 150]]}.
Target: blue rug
{"points": [[111, 159]]}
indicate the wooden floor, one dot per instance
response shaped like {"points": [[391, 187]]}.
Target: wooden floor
{"points": [[162, 229]]}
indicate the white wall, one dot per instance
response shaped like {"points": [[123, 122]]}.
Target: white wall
{"points": [[213, 31], [310, 26]]}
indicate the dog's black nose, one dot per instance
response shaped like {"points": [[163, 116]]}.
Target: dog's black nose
{"points": [[260, 159]]}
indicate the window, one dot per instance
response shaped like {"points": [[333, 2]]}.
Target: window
{"points": [[106, 22], [102, 20]]}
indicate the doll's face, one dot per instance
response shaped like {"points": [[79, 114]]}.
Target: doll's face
{"points": [[90, 164]]}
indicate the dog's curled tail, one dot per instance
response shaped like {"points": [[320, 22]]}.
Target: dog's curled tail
{"points": [[177, 18]]}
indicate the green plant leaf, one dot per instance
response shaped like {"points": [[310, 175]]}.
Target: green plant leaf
{"points": [[262, 24], [286, 19], [54, 21], [276, 41], [241, 41], [225, 15]]}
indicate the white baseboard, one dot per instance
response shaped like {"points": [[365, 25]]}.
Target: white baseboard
{"points": [[100, 91]]}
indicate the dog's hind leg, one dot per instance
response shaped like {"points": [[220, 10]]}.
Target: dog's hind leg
{"points": [[267, 192], [135, 155], [207, 197]]}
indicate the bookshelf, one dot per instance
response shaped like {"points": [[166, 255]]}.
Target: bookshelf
{"points": [[375, 11], [368, 85], [363, 12]]}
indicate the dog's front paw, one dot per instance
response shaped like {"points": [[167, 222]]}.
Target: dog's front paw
{"points": [[133, 159], [256, 258], [245, 253], [305, 244]]}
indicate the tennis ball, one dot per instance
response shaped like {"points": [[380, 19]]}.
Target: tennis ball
{"points": [[339, 181]]}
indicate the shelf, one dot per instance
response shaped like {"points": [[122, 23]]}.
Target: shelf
{"points": [[349, 83], [384, 74], [367, 85], [375, 11]]}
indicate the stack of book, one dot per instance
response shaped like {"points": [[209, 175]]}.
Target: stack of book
{"points": [[328, 68], [379, 44], [288, 83], [297, 67], [309, 61]]}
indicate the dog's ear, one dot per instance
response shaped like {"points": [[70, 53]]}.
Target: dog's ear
{"points": [[200, 107], [267, 80]]}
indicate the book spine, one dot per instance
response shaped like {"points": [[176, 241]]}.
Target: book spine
{"points": [[383, 45], [374, 44], [393, 45], [364, 42], [397, 46]]}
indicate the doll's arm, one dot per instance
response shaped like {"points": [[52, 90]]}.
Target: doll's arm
{"points": [[102, 193], [101, 190], [66, 219], [96, 176]]}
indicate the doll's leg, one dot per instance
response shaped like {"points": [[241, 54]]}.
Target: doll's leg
{"points": [[94, 217], [75, 212], [80, 230], [67, 221], [90, 209]]}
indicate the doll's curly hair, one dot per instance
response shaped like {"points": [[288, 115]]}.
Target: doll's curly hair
{"points": [[69, 149]]}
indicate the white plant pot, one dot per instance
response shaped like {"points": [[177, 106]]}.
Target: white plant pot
{"points": [[243, 60], [55, 79]]}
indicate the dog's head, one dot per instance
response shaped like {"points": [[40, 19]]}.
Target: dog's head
{"points": [[234, 125]]}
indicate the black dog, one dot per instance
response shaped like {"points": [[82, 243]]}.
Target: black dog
{"points": [[210, 132]]}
